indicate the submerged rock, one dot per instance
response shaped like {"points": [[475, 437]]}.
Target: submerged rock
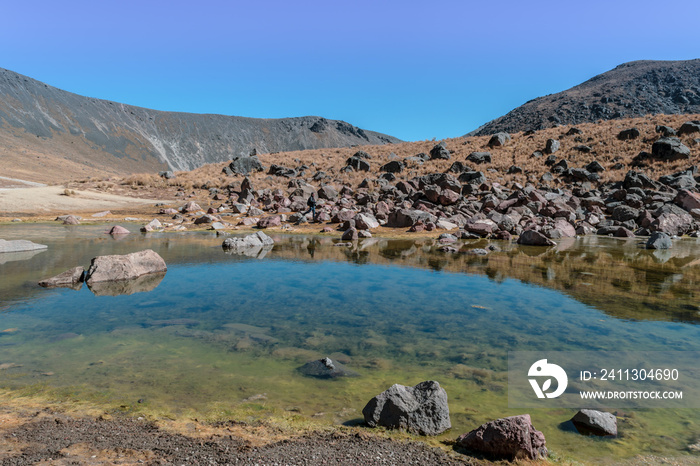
{"points": [[19, 245], [422, 409], [326, 369], [511, 438]]}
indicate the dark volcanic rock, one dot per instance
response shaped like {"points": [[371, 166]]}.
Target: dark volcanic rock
{"points": [[439, 151], [395, 166], [357, 163], [670, 149], [479, 157], [628, 134], [534, 238], [592, 422], [422, 409], [326, 368], [689, 127], [244, 165], [278, 170], [659, 240], [508, 438], [499, 139]]}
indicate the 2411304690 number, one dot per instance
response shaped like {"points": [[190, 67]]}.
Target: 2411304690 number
{"points": [[639, 374]]}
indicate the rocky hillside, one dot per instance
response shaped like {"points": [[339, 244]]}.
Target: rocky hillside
{"points": [[632, 89], [42, 126]]}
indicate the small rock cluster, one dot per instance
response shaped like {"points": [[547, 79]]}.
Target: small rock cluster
{"points": [[423, 410]]}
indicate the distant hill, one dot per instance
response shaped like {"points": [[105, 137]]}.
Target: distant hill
{"points": [[42, 126], [632, 89]]}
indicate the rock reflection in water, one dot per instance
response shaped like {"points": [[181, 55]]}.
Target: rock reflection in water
{"points": [[629, 281]]}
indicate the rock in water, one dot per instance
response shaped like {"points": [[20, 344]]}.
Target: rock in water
{"points": [[421, 409], [511, 438], [118, 230], [326, 369], [19, 245], [592, 422], [659, 240], [534, 238], [126, 267], [256, 240], [69, 278]]}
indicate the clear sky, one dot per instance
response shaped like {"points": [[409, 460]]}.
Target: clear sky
{"points": [[413, 69]]}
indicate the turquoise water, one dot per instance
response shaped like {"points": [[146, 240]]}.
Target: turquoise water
{"points": [[220, 329]]}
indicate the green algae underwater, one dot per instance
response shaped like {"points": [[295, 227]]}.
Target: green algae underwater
{"points": [[222, 336]]}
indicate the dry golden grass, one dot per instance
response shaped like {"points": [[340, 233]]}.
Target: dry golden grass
{"points": [[601, 137]]}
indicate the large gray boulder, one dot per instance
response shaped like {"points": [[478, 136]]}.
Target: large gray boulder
{"points": [[19, 245], [126, 267], [509, 438], [244, 165], [499, 139], [421, 409], [440, 152], [592, 422]]}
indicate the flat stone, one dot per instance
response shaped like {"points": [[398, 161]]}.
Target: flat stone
{"points": [[19, 245]]}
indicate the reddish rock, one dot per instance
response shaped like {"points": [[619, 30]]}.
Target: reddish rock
{"points": [[508, 438], [448, 197], [562, 229], [118, 230], [688, 200], [481, 227], [272, 221], [190, 207], [623, 232]]}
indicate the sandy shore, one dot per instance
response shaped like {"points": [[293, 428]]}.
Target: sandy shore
{"points": [[45, 200]]}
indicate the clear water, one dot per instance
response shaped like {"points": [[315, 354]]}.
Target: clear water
{"points": [[223, 335]]}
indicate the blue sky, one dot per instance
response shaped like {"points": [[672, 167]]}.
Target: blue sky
{"points": [[415, 70]]}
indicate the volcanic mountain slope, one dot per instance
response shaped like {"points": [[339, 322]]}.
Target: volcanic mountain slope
{"points": [[632, 89], [45, 128]]}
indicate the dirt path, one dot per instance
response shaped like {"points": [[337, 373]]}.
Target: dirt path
{"points": [[43, 199]]}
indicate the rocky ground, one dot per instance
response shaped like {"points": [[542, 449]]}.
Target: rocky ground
{"points": [[46, 437]]}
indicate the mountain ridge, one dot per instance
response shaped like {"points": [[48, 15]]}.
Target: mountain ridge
{"points": [[78, 127], [631, 89]]}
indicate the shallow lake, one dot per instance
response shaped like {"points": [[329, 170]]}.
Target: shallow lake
{"points": [[223, 335]]}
